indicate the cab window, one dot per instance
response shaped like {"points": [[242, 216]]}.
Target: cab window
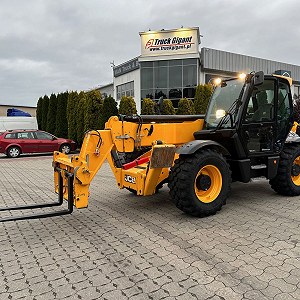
{"points": [[261, 103]]}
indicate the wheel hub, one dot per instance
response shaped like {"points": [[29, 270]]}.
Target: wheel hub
{"points": [[203, 182], [295, 170]]}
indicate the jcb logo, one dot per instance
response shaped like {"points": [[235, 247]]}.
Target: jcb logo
{"points": [[129, 179]]}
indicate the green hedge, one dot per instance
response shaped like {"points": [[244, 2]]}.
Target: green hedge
{"points": [[127, 106], [148, 107]]}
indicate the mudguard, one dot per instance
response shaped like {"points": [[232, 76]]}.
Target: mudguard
{"points": [[193, 146]]}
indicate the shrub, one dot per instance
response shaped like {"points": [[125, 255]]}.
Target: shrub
{"points": [[109, 108], [148, 107], [127, 106], [185, 107], [167, 107], [202, 97]]}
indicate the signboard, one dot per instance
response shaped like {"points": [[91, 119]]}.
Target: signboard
{"points": [[170, 42], [126, 67]]}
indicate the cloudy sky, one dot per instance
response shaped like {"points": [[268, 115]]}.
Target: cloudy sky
{"points": [[56, 45]]}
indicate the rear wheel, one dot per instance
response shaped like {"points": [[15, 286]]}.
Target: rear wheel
{"points": [[13, 151], [65, 148], [287, 180], [200, 183]]}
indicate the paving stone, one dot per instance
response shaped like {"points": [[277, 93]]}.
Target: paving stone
{"points": [[125, 247]]}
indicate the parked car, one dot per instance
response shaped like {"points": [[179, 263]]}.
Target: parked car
{"points": [[15, 142]]}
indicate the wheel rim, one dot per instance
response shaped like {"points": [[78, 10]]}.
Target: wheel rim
{"points": [[295, 171], [65, 149], [208, 183], [14, 152]]}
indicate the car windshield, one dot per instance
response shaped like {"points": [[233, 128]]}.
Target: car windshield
{"points": [[224, 98]]}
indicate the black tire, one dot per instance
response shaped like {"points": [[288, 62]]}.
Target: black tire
{"points": [[65, 148], [183, 182], [283, 183], [13, 152]]}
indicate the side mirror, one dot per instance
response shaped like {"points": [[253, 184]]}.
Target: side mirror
{"points": [[258, 78]]}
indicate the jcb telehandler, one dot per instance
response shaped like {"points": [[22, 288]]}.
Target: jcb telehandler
{"points": [[245, 134]]}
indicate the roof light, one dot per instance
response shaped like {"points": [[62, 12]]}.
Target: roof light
{"points": [[242, 76], [217, 81]]}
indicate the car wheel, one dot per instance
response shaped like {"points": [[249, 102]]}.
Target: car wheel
{"points": [[65, 148], [13, 152]]}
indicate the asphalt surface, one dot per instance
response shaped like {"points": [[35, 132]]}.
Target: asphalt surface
{"points": [[129, 247]]}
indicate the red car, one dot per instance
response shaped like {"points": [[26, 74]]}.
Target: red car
{"points": [[15, 142]]}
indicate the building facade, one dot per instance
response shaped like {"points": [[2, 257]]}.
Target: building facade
{"points": [[171, 65]]}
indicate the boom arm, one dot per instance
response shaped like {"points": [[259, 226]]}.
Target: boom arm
{"points": [[123, 136]]}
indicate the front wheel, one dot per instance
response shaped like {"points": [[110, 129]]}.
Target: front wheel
{"points": [[200, 183], [13, 152], [287, 180], [65, 148]]}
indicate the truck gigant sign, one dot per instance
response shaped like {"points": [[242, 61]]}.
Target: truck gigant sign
{"points": [[168, 42]]}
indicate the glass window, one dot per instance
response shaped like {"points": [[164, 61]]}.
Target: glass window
{"points": [[125, 89], [261, 103], [43, 135], [189, 75], [190, 61], [284, 110], [175, 76], [175, 93], [175, 62], [10, 136], [161, 77], [25, 135], [147, 78], [147, 64], [147, 94], [161, 93], [189, 92], [171, 79], [161, 63]]}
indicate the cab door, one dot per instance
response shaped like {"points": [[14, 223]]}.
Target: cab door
{"points": [[259, 123]]}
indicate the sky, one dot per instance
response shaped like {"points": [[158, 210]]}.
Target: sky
{"points": [[50, 46]]}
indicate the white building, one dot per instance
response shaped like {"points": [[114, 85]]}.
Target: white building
{"points": [[171, 65]]}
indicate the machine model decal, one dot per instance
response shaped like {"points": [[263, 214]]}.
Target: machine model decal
{"points": [[129, 178]]}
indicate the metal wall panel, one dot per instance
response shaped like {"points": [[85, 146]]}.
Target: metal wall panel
{"points": [[223, 61]]}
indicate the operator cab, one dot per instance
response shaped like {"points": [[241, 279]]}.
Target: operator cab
{"points": [[251, 118]]}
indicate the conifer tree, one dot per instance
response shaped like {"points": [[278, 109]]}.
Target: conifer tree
{"points": [[39, 112], [51, 116], [61, 129], [73, 100], [109, 108], [45, 112]]}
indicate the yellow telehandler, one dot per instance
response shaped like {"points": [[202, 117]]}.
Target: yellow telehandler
{"points": [[245, 133]]}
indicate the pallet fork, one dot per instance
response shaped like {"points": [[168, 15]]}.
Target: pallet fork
{"points": [[69, 210]]}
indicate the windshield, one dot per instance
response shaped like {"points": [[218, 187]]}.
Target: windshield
{"points": [[224, 98]]}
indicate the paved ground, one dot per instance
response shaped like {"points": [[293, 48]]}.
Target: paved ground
{"points": [[124, 246]]}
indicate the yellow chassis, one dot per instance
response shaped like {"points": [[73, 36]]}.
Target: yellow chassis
{"points": [[123, 136]]}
